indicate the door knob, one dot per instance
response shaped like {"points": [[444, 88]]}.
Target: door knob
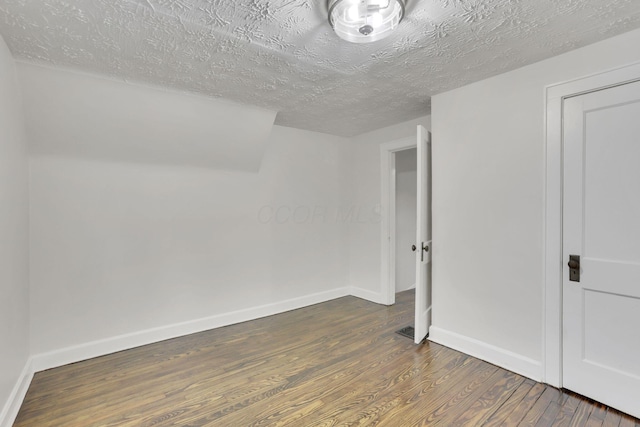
{"points": [[413, 248], [574, 268]]}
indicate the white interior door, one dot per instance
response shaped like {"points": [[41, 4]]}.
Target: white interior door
{"points": [[601, 224], [423, 237]]}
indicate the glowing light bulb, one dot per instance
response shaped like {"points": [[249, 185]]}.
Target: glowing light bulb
{"points": [[376, 19], [353, 13], [364, 21]]}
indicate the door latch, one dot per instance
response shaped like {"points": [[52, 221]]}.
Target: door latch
{"points": [[574, 268], [425, 248]]}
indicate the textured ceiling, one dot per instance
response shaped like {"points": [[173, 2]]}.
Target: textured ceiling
{"points": [[282, 54]]}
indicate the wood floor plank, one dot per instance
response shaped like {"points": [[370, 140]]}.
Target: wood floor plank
{"points": [[288, 392], [384, 396], [548, 417], [549, 396], [501, 414], [333, 374], [567, 411], [597, 416], [582, 413], [626, 421], [384, 403], [438, 393], [339, 363], [611, 419], [463, 400], [518, 414], [298, 394], [488, 403]]}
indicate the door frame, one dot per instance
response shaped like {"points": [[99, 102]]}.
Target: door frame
{"points": [[388, 152], [553, 266]]}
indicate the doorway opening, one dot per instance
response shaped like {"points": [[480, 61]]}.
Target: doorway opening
{"points": [[403, 229], [389, 154], [405, 218]]}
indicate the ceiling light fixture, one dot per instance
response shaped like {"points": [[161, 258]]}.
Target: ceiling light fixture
{"points": [[365, 21]]}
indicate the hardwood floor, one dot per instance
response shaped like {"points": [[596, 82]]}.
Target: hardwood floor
{"points": [[336, 363]]}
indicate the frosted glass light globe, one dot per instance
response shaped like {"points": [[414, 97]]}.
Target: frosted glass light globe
{"points": [[365, 21]]}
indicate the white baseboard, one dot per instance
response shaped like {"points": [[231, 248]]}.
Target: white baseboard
{"points": [[367, 295], [495, 355], [514, 362], [12, 406], [136, 339]]}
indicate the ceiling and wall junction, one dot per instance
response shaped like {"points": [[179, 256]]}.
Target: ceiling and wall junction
{"points": [[283, 56]]}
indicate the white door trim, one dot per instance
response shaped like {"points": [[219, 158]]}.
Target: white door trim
{"points": [[553, 268], [388, 210]]}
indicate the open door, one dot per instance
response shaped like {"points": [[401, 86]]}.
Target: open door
{"points": [[423, 237]]}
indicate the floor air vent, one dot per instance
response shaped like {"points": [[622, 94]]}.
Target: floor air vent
{"points": [[407, 331]]}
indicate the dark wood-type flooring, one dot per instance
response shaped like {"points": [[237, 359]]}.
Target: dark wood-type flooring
{"points": [[333, 364]]}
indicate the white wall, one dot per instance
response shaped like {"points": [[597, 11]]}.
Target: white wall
{"points": [[14, 217], [365, 233], [488, 177], [406, 202], [83, 115], [121, 247]]}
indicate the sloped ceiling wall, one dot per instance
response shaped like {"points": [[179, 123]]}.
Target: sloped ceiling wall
{"points": [[80, 115]]}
